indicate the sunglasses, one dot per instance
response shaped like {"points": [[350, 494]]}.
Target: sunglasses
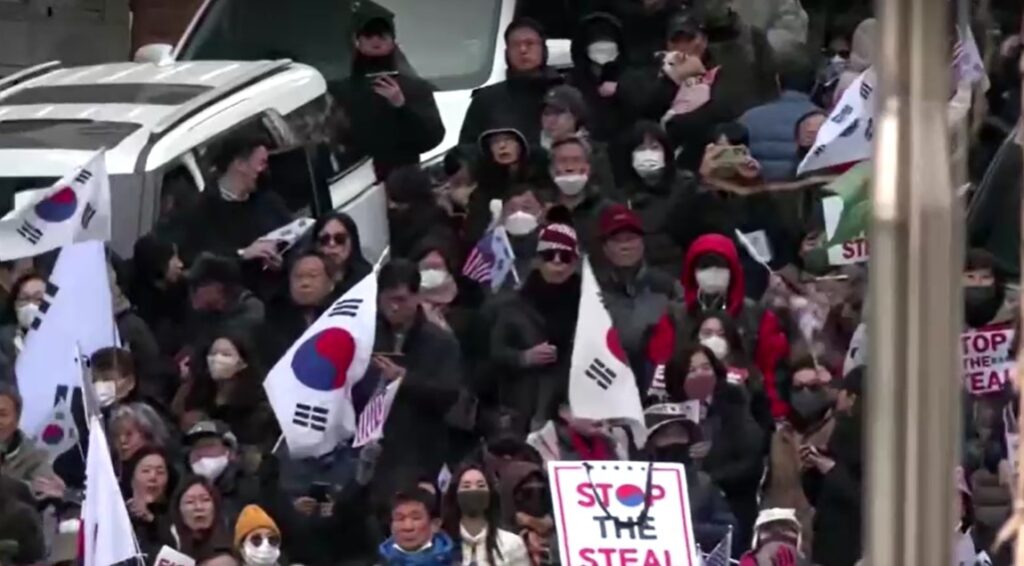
{"points": [[339, 239], [257, 540], [554, 256]]}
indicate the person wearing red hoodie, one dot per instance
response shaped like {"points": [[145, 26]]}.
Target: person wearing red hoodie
{"points": [[713, 281]]}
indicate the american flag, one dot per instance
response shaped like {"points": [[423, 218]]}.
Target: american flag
{"points": [[491, 260], [967, 62], [722, 554], [371, 421]]}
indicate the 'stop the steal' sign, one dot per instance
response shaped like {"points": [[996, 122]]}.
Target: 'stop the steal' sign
{"points": [[609, 514], [986, 358]]}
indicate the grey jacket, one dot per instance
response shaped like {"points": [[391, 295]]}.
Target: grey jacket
{"points": [[24, 461]]}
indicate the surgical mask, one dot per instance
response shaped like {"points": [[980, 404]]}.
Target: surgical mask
{"points": [[603, 52], [222, 366], [27, 314], [210, 468], [263, 555], [106, 392], [474, 502], [520, 223], [718, 345], [713, 280], [571, 185], [648, 163], [433, 278]]}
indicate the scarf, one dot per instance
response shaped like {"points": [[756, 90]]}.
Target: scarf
{"points": [[589, 448]]}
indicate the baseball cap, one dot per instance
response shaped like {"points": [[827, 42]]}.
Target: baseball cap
{"points": [[210, 428], [687, 24], [619, 218], [567, 99], [663, 414]]}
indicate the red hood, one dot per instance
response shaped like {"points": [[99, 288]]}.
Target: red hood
{"points": [[723, 246]]}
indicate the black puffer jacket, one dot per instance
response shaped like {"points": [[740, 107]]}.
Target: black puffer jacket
{"points": [[608, 116], [391, 136]]}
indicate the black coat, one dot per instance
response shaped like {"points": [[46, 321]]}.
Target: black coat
{"points": [[222, 227], [416, 433], [538, 313], [607, 116], [391, 136], [518, 98], [837, 517], [20, 522]]}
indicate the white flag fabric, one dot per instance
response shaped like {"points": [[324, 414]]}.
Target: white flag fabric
{"points": [[310, 387], [107, 531], [59, 433], [601, 383], [76, 209], [77, 315], [848, 133], [288, 235], [375, 415]]}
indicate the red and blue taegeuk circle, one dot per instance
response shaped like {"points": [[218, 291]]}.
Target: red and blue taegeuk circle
{"points": [[59, 206], [52, 435], [629, 495], [322, 361]]}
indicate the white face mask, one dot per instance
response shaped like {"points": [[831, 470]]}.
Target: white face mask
{"points": [[433, 278], [263, 555], [106, 392], [571, 185], [603, 52], [714, 280], [717, 345], [210, 468], [648, 163], [520, 223], [27, 313], [222, 366]]}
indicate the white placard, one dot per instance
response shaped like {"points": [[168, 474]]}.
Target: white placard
{"points": [[598, 511], [850, 251], [986, 358], [170, 557]]}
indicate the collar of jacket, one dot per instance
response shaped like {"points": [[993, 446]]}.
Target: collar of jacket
{"points": [[13, 446], [439, 551]]}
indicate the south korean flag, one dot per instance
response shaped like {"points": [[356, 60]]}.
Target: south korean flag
{"points": [[601, 383], [75, 209]]}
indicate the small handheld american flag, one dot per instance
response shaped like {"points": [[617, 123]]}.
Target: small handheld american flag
{"points": [[491, 260]]}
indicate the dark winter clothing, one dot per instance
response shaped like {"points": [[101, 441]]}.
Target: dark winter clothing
{"points": [[416, 433], [222, 227], [837, 518], [391, 136], [23, 460], [607, 115], [440, 553], [539, 313], [644, 30], [772, 129], [20, 522], [709, 510]]}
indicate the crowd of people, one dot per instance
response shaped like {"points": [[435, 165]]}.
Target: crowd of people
{"points": [[666, 159]]}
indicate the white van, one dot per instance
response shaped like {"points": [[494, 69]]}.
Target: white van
{"points": [[241, 62]]}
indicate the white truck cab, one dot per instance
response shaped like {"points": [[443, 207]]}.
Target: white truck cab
{"points": [[240, 63]]}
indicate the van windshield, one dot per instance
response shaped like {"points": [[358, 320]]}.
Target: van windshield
{"points": [[448, 42]]}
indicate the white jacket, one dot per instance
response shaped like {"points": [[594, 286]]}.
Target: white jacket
{"points": [[512, 547]]}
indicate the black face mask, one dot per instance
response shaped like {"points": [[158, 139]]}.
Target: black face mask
{"points": [[366, 65], [672, 454], [981, 305], [810, 403]]}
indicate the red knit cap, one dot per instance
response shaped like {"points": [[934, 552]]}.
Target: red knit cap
{"points": [[558, 237]]}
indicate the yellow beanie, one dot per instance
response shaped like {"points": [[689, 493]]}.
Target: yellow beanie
{"points": [[253, 517]]}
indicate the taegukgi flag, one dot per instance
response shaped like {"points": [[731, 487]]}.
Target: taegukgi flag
{"points": [[847, 136], [75, 209], [107, 534], [75, 320], [310, 388], [601, 383]]}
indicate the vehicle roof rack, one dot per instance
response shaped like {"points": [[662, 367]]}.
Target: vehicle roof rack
{"points": [[198, 103], [28, 74]]}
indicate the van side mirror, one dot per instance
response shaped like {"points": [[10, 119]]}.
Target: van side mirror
{"points": [[156, 53], [559, 53]]}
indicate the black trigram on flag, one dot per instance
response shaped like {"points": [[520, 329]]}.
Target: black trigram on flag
{"points": [[83, 177], [30, 232], [865, 90], [308, 416], [348, 307], [87, 215], [601, 374], [44, 307]]}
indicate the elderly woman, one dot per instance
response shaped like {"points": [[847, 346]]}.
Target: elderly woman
{"points": [[133, 427]]}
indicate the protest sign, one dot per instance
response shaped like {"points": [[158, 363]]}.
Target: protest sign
{"points": [[170, 557], [986, 358], [846, 216], [621, 513]]}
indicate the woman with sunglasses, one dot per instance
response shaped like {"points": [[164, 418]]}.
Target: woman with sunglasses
{"points": [[531, 339], [336, 237], [257, 538]]}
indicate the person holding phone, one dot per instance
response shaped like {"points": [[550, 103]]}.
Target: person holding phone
{"points": [[391, 112]]}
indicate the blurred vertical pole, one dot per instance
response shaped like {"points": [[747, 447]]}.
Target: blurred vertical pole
{"points": [[1016, 522], [915, 312]]}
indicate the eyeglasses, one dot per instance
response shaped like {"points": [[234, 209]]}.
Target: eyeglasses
{"points": [[554, 256], [256, 539], [338, 238]]}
